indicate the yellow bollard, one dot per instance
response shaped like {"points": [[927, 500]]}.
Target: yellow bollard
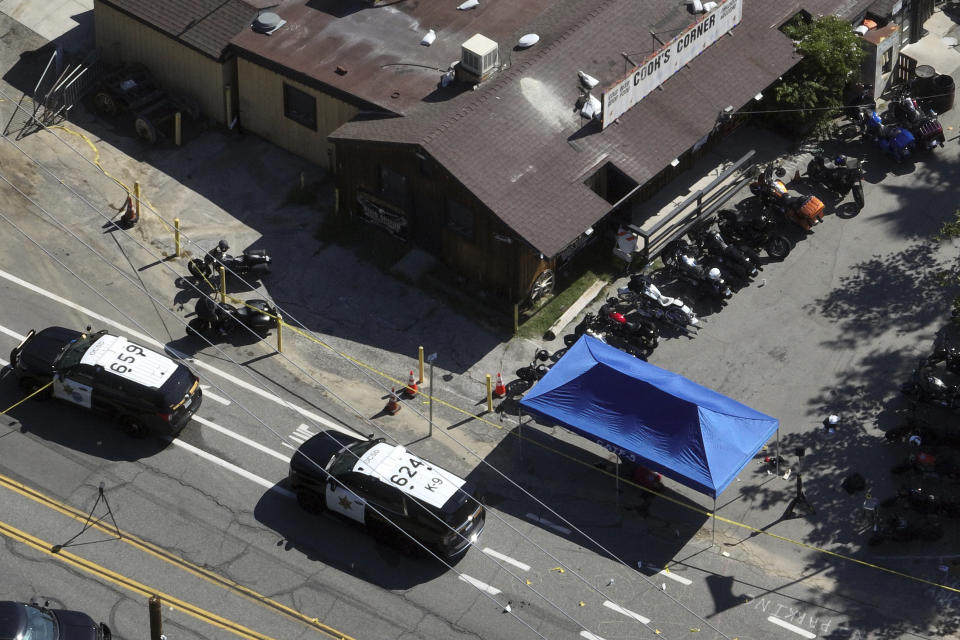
{"points": [[420, 360], [176, 237], [223, 283], [136, 196], [279, 333], [176, 128], [489, 395]]}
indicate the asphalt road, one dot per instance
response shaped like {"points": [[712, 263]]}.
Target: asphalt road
{"points": [[206, 520]]}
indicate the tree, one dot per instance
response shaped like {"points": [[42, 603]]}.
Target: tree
{"points": [[832, 56]]}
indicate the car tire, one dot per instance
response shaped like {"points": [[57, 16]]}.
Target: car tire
{"points": [[310, 501], [133, 427]]}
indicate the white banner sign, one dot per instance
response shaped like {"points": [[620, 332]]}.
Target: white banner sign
{"points": [[657, 68]]}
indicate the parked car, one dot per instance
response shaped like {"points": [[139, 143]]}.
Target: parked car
{"points": [[398, 496], [22, 621], [140, 389]]}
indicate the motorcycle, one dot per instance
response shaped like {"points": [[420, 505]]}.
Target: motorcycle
{"points": [[681, 265], [636, 338], [901, 529], [926, 387], [840, 174], [215, 319], [922, 501], [652, 304], [805, 211], [922, 123], [741, 261], [536, 369], [893, 140], [757, 232], [251, 262]]}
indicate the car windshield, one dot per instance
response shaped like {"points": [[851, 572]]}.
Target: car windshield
{"points": [[41, 625], [73, 352], [346, 459]]}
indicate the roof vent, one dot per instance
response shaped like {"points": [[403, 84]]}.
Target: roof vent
{"points": [[479, 57], [267, 22]]}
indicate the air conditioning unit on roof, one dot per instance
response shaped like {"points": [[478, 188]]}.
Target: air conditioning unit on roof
{"points": [[479, 57]]}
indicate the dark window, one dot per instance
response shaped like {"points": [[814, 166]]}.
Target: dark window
{"points": [[887, 61], [300, 106], [460, 218], [387, 497], [393, 186]]}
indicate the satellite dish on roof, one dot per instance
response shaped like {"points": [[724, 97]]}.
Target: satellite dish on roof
{"points": [[266, 22], [528, 40]]}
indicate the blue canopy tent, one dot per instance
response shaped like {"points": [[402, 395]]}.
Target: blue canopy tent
{"points": [[651, 416]]}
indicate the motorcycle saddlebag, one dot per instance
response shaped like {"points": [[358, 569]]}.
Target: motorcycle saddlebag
{"points": [[812, 209]]}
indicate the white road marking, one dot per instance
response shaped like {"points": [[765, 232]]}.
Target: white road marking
{"points": [[483, 586], [547, 523], [156, 345], [589, 636], [791, 627], [210, 394], [302, 434], [507, 559], [240, 438], [13, 334], [626, 612], [669, 574], [3, 362], [229, 466]]}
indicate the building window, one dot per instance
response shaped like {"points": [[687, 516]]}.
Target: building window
{"points": [[393, 186], [886, 62], [300, 106], [460, 218]]}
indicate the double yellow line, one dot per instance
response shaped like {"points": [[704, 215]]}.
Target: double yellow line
{"points": [[159, 553]]}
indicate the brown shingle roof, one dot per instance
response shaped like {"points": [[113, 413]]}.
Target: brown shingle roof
{"points": [[520, 147], [205, 25]]}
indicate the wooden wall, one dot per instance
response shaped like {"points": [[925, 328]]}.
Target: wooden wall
{"points": [[179, 68], [504, 268], [261, 112]]}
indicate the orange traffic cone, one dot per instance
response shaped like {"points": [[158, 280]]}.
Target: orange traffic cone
{"points": [[501, 389], [411, 388], [392, 405], [129, 217]]}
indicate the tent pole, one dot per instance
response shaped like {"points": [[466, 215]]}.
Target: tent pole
{"points": [[618, 484], [778, 450], [713, 540], [520, 430]]}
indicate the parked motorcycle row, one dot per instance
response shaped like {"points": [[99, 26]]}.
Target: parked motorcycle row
{"points": [[906, 128], [930, 488], [218, 321]]}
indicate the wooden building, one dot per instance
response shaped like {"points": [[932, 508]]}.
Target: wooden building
{"points": [[184, 43], [479, 135]]}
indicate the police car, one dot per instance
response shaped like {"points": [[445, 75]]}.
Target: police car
{"points": [[385, 487], [140, 389], [19, 620]]}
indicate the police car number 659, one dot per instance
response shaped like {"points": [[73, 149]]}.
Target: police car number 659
{"points": [[141, 389]]}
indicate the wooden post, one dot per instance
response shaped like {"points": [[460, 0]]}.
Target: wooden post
{"points": [[176, 237], [420, 361], [176, 128], [136, 196], [228, 105], [223, 283], [279, 333], [516, 318], [489, 395], [156, 621]]}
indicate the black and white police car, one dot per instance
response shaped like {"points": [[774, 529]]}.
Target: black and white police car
{"points": [[22, 621], [379, 485], [141, 389]]}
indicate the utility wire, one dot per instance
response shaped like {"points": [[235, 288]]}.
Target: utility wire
{"points": [[283, 439], [379, 428]]}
